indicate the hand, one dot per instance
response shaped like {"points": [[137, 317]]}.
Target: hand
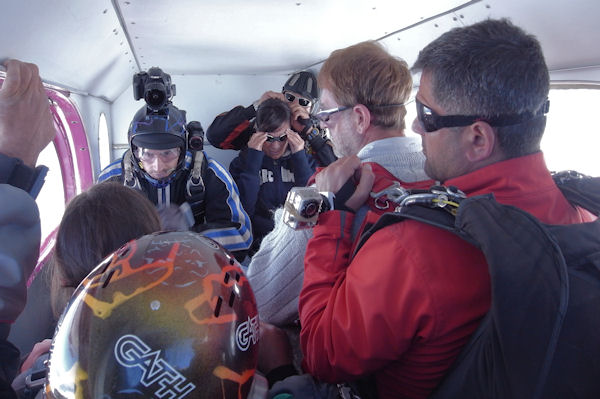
{"points": [[298, 112], [172, 218], [296, 142], [271, 94], [38, 349], [275, 349], [333, 177], [26, 125], [366, 179], [257, 140]]}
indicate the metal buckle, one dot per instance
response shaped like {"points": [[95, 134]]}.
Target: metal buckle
{"points": [[395, 193]]}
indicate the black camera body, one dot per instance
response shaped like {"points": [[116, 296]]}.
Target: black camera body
{"points": [[195, 136], [154, 87]]}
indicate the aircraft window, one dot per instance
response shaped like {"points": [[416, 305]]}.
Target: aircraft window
{"points": [[103, 141], [572, 136], [69, 166], [51, 200]]}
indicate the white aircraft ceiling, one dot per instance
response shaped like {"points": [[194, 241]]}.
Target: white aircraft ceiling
{"points": [[95, 46]]}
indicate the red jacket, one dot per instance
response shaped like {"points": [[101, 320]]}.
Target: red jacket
{"points": [[409, 300]]}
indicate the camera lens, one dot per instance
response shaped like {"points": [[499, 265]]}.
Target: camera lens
{"points": [[196, 143], [155, 96], [309, 209]]}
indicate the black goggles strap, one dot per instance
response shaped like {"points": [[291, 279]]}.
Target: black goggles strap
{"points": [[499, 120]]}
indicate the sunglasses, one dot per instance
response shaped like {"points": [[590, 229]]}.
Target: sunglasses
{"points": [[432, 122], [164, 155], [302, 101], [271, 138]]}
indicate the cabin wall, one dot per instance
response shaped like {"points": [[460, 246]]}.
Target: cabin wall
{"points": [[90, 109], [203, 97]]}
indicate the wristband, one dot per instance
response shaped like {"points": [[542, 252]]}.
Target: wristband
{"points": [[328, 201], [343, 194], [17, 174]]}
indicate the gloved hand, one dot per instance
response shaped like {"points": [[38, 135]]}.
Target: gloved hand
{"points": [[174, 218]]}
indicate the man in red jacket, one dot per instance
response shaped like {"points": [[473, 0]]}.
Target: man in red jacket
{"points": [[403, 307]]}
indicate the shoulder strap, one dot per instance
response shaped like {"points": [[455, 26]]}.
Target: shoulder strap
{"points": [[195, 189], [436, 206], [579, 189], [129, 178]]}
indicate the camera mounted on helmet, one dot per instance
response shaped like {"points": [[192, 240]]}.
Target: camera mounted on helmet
{"points": [[161, 125], [154, 87]]}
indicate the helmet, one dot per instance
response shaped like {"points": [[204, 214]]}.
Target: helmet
{"points": [[303, 83], [167, 315], [158, 130]]}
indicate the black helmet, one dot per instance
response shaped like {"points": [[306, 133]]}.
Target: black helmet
{"points": [[166, 315], [303, 83], [158, 130]]}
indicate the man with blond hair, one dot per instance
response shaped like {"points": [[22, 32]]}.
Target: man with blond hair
{"points": [[379, 86]]}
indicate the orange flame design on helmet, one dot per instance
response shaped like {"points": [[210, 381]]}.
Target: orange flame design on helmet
{"points": [[121, 268]]}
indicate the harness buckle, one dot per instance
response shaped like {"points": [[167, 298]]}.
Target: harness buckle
{"points": [[395, 193]]}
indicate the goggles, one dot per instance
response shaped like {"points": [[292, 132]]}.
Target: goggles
{"points": [[271, 138], [432, 121], [168, 155], [302, 101]]}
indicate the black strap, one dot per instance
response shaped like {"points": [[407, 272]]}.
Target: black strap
{"points": [[198, 192], [19, 175], [579, 189]]}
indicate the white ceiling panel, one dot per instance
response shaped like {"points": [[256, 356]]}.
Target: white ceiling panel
{"points": [[76, 43], [95, 46], [264, 36]]}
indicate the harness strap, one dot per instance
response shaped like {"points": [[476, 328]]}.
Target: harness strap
{"points": [[195, 189], [129, 179]]}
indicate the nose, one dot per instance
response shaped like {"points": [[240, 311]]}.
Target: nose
{"points": [[156, 164], [276, 145]]}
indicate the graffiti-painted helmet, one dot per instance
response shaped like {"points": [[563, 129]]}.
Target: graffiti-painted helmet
{"points": [[303, 83], [169, 315], [158, 130]]}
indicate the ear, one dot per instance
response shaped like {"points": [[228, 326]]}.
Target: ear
{"points": [[362, 117], [480, 140]]}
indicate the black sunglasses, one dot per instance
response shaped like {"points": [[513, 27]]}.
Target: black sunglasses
{"points": [[302, 101], [271, 139], [432, 121]]}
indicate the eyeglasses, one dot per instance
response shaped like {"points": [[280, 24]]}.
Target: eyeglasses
{"points": [[324, 115], [271, 138], [167, 155], [432, 121], [302, 101]]}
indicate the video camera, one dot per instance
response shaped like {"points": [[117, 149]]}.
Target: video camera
{"points": [[154, 87]]}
